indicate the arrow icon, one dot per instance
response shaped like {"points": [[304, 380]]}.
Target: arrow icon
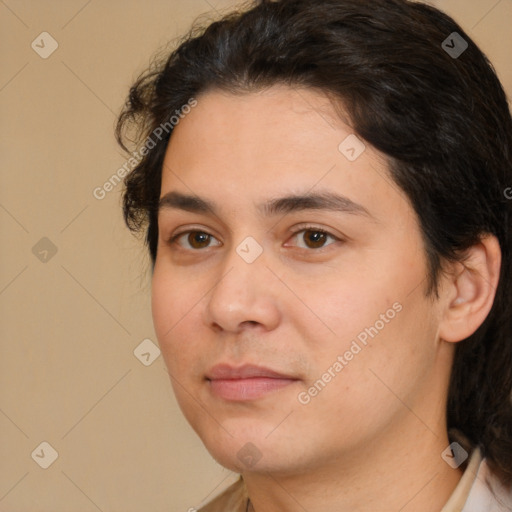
{"points": [[454, 455], [454, 45], [44, 250], [44, 45], [249, 250], [146, 352], [249, 454], [352, 147], [44, 455]]}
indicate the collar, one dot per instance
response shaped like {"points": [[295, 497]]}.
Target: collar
{"points": [[460, 494]]}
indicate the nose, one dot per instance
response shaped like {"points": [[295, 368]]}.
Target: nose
{"points": [[245, 295]]}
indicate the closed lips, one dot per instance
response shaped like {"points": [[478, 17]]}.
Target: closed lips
{"points": [[227, 372]]}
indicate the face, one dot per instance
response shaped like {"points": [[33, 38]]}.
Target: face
{"points": [[288, 290]]}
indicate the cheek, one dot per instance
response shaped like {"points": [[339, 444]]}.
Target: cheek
{"points": [[373, 311], [174, 295], [162, 304], [340, 307], [173, 307], [395, 360]]}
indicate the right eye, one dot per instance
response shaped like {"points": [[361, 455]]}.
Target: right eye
{"points": [[195, 239]]}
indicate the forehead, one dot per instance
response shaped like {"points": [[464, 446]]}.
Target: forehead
{"points": [[266, 144], [279, 123]]}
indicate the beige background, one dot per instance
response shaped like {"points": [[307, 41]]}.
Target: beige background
{"points": [[70, 324]]}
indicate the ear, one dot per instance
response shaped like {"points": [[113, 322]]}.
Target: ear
{"points": [[470, 289]]}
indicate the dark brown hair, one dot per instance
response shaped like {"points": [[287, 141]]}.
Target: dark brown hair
{"points": [[442, 120]]}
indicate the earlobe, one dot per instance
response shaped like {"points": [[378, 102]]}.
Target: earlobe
{"points": [[471, 291]]}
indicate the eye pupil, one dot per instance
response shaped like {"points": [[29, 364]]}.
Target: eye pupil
{"points": [[317, 238], [198, 239]]}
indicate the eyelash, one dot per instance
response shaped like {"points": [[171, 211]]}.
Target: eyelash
{"points": [[174, 238]]}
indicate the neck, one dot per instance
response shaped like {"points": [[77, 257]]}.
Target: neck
{"points": [[408, 475]]}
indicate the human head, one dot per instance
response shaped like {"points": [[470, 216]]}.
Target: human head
{"points": [[442, 122]]}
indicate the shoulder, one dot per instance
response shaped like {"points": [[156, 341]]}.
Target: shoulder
{"points": [[233, 499]]}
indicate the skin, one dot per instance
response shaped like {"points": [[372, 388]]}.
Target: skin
{"points": [[372, 438]]}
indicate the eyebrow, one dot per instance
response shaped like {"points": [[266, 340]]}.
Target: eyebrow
{"points": [[280, 206]]}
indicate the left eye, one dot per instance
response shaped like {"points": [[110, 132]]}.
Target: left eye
{"points": [[314, 238]]}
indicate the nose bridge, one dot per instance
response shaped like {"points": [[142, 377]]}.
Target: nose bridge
{"points": [[243, 292], [245, 264]]}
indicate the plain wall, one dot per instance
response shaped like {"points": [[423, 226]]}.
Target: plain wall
{"points": [[70, 321]]}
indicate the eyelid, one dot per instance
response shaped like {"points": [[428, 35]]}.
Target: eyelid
{"points": [[310, 227]]}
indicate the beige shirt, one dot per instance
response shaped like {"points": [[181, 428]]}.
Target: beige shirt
{"points": [[472, 493]]}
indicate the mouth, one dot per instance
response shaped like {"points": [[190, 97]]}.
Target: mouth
{"points": [[246, 382]]}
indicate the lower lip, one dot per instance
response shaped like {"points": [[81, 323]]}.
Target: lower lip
{"points": [[247, 389]]}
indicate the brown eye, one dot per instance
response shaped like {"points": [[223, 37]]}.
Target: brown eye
{"points": [[194, 240], [198, 239], [314, 239]]}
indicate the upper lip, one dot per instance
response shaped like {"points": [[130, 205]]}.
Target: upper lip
{"points": [[247, 371]]}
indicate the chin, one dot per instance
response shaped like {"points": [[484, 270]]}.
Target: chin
{"points": [[245, 462], [248, 451]]}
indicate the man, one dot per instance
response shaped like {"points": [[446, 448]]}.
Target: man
{"points": [[326, 212]]}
